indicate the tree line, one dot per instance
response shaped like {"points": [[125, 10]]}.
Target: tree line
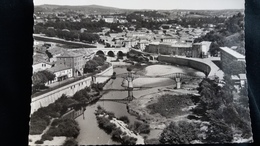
{"points": [[229, 33], [216, 105]]}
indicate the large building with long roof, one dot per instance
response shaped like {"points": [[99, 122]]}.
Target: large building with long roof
{"points": [[227, 56], [73, 60]]}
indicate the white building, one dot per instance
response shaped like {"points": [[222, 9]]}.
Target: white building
{"points": [[41, 65], [61, 72]]}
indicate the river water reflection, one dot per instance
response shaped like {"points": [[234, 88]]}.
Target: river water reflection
{"points": [[91, 134]]}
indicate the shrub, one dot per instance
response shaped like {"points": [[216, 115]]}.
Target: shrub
{"points": [[37, 126], [124, 119], [127, 140], [66, 127], [46, 137], [70, 142], [39, 142], [140, 127], [116, 134]]}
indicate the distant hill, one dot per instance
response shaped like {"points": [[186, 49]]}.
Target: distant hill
{"points": [[89, 9], [97, 9]]}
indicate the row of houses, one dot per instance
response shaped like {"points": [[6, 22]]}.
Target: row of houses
{"points": [[64, 63]]}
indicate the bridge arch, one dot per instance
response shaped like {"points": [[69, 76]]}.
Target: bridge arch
{"points": [[110, 54], [100, 52], [120, 54]]}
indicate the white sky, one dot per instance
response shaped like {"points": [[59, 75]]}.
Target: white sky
{"points": [[153, 4]]}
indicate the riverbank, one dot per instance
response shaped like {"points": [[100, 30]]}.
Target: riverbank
{"points": [[91, 134], [157, 122]]}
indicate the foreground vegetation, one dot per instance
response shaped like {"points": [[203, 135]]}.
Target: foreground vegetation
{"points": [[61, 126], [224, 118]]}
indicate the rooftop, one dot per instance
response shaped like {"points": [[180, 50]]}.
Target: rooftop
{"points": [[58, 67], [70, 54], [242, 76], [232, 52]]}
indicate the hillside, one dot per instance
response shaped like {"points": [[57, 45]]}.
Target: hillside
{"points": [[89, 9], [230, 33], [97, 9]]}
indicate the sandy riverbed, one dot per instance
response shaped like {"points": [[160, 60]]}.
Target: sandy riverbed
{"points": [[159, 70], [139, 105]]}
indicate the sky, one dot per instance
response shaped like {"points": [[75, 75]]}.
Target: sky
{"points": [[153, 4]]}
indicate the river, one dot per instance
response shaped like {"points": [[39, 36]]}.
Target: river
{"points": [[91, 134]]}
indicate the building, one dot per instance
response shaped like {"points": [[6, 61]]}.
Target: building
{"points": [[54, 53], [110, 20], [227, 56], [142, 44], [61, 72], [180, 49], [40, 65], [72, 60], [201, 50]]}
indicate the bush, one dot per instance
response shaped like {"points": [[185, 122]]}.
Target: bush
{"points": [[66, 127], [116, 134], [127, 140], [37, 126], [124, 119], [140, 127], [70, 142], [46, 137], [39, 142]]}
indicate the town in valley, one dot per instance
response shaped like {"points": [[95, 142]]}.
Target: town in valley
{"points": [[111, 76]]}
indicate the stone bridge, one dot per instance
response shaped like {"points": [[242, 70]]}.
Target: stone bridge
{"points": [[110, 51]]}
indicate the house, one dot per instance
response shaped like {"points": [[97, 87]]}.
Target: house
{"points": [[110, 20], [72, 60], [62, 72], [40, 65]]}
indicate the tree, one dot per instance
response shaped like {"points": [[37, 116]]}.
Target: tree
{"points": [[116, 134], [218, 133], [127, 140], [90, 66], [100, 61], [49, 75]]}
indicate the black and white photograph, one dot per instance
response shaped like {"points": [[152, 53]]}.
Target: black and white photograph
{"points": [[139, 72]]}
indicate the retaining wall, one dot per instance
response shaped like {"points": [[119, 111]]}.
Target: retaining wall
{"points": [[198, 65]]}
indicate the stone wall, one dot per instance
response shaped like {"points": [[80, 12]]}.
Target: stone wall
{"points": [[69, 90], [198, 65]]}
